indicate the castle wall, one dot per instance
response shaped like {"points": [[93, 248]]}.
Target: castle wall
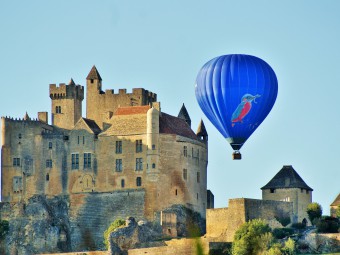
{"points": [[300, 198], [222, 223], [100, 106], [22, 164]]}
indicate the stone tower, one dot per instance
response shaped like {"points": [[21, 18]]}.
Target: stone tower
{"points": [[288, 186], [66, 104], [102, 105], [93, 90]]}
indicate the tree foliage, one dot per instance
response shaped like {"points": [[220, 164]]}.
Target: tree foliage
{"points": [[114, 225], [327, 224], [314, 211], [255, 238], [252, 238]]}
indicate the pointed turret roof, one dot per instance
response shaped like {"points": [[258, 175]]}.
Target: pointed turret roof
{"points": [[26, 117], [336, 202], [201, 131], [93, 74], [183, 114], [287, 177], [71, 82]]}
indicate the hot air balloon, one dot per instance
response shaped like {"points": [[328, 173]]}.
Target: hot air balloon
{"points": [[236, 92]]}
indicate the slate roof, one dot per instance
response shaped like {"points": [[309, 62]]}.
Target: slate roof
{"points": [[201, 131], [336, 202], [287, 177], [132, 110], [93, 126], [173, 125], [93, 74], [183, 114], [71, 82]]}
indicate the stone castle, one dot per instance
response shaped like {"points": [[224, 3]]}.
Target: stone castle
{"points": [[64, 183], [126, 158]]}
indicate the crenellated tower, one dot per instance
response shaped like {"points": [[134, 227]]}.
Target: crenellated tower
{"points": [[66, 104], [102, 105]]}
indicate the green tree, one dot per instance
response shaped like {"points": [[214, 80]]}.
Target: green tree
{"points": [[314, 211], [114, 225], [253, 237]]}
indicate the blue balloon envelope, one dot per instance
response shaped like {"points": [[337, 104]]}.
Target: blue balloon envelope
{"points": [[236, 92]]}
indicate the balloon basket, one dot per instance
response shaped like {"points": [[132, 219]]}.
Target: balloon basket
{"points": [[237, 155]]}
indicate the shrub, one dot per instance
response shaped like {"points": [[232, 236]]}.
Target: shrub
{"points": [[252, 238], [328, 224], [114, 225], [281, 233], [298, 225], [314, 211]]}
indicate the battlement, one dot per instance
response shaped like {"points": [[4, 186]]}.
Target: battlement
{"points": [[135, 91], [64, 91]]}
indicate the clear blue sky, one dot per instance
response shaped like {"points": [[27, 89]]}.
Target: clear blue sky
{"points": [[161, 45]]}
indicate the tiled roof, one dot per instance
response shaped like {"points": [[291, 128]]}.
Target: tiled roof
{"points": [[93, 74], [93, 125], [173, 125], [132, 110], [336, 202], [287, 177], [201, 131]]}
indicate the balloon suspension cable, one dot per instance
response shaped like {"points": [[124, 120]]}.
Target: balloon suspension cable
{"points": [[237, 155]]}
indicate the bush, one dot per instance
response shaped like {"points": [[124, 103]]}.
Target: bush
{"points": [[252, 238], [314, 211], [298, 225], [328, 224], [114, 225], [280, 233]]}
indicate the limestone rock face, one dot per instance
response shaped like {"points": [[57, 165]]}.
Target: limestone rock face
{"points": [[133, 235], [37, 226]]}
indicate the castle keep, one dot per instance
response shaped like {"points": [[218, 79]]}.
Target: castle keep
{"points": [[126, 158]]}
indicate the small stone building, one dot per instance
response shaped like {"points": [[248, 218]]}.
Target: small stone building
{"points": [[335, 205], [288, 186]]}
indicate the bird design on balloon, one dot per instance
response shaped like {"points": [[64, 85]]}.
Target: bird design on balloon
{"points": [[243, 108]]}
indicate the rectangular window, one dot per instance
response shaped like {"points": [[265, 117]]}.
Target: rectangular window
{"points": [[17, 183], [119, 147], [185, 174], [48, 163], [198, 177], [119, 165], [75, 161], [16, 161], [139, 164], [185, 151], [58, 109], [139, 181], [87, 160], [139, 146], [50, 145]]}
